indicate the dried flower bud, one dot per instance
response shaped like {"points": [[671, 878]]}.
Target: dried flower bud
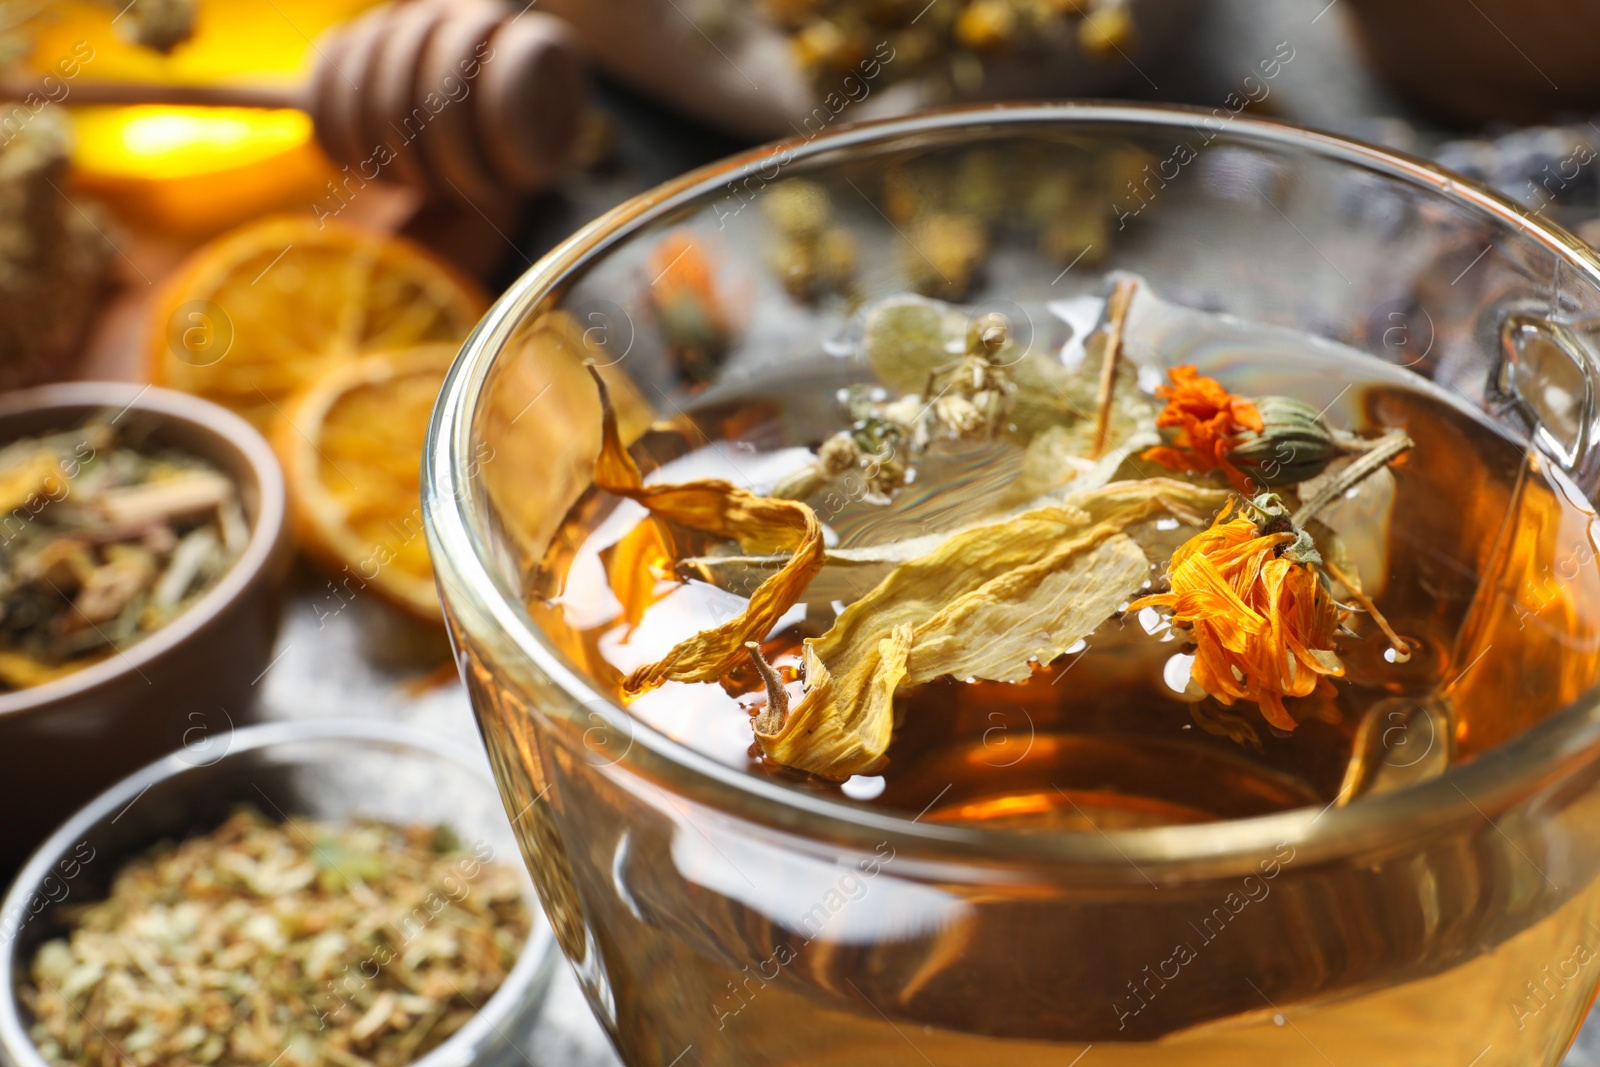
{"points": [[988, 334], [158, 24], [987, 25], [797, 207], [1294, 443], [1107, 32], [838, 454]]}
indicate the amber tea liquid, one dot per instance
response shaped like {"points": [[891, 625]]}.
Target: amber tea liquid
{"points": [[1479, 946]]}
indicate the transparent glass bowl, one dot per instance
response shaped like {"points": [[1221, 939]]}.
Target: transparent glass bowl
{"points": [[706, 909], [323, 770]]}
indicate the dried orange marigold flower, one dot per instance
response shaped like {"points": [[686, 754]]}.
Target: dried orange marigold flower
{"points": [[1262, 621], [1210, 423], [692, 314]]}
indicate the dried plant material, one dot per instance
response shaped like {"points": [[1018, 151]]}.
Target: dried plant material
{"points": [[847, 573], [907, 338], [880, 447], [1398, 646], [103, 545], [18, 670], [843, 727], [944, 254], [830, 39], [1267, 442], [1055, 465], [1261, 620], [812, 254], [32, 474], [187, 494], [55, 257], [959, 379], [161, 25], [301, 944], [1116, 322], [640, 559], [961, 393], [776, 713], [691, 312], [1034, 615], [1294, 444], [757, 523], [1373, 456], [1209, 422], [987, 603]]}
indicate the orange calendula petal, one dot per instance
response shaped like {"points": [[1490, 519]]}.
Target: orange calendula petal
{"points": [[758, 523], [1209, 422], [1262, 623]]}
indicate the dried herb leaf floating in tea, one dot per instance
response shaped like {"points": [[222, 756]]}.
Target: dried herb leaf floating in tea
{"points": [[986, 603]]}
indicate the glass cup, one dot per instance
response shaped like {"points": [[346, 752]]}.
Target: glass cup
{"points": [[719, 917]]}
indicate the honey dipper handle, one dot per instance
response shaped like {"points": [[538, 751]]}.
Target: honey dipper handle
{"points": [[120, 93]]}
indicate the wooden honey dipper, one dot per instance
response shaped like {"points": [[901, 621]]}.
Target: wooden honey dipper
{"points": [[463, 99]]}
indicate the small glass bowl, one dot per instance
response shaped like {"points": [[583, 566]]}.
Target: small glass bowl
{"points": [[324, 770], [1448, 921]]}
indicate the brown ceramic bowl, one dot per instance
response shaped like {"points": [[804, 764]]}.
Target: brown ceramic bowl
{"points": [[184, 686]]}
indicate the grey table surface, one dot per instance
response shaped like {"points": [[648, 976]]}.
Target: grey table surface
{"points": [[359, 660]]}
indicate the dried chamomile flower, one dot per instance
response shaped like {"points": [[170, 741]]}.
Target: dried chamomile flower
{"points": [[950, 41], [811, 254], [944, 254], [1107, 32]]}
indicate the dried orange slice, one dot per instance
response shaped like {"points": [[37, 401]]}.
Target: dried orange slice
{"points": [[351, 447], [256, 314]]}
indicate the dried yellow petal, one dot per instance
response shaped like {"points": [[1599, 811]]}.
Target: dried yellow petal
{"points": [[1032, 613], [982, 604], [843, 727], [757, 523]]}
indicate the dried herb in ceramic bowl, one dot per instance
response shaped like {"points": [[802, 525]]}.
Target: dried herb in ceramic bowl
{"points": [[101, 544]]}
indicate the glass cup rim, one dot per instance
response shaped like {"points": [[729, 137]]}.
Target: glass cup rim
{"points": [[1566, 740]]}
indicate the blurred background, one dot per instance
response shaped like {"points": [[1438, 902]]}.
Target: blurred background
{"points": [[296, 209]]}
